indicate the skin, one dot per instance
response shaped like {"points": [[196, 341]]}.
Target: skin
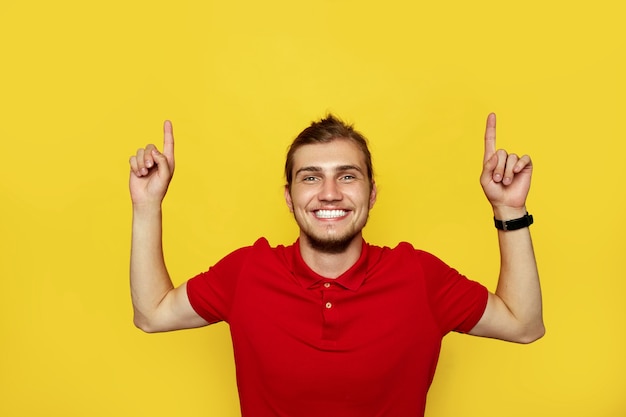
{"points": [[332, 177]]}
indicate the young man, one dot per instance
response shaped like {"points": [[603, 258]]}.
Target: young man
{"points": [[332, 325]]}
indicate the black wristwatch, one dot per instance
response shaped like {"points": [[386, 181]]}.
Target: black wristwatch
{"points": [[514, 224]]}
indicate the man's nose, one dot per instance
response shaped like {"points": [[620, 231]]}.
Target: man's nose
{"points": [[330, 191]]}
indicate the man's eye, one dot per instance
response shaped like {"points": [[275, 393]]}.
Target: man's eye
{"points": [[309, 179], [348, 177]]}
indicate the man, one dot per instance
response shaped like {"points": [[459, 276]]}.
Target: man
{"points": [[332, 325]]}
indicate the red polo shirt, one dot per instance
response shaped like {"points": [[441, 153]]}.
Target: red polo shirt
{"points": [[364, 344]]}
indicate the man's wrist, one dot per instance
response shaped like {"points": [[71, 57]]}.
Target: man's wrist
{"points": [[508, 213], [146, 208]]}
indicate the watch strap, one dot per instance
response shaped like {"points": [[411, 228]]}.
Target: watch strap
{"points": [[514, 224]]}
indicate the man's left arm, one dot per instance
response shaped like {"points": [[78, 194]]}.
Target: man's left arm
{"points": [[514, 311]]}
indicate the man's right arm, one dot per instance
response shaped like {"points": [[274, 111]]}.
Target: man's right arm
{"points": [[158, 306]]}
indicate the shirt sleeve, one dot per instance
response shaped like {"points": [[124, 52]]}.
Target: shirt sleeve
{"points": [[211, 293], [457, 302]]}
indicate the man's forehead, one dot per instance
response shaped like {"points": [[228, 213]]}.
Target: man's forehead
{"points": [[331, 155]]}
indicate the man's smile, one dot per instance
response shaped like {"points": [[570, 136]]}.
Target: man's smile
{"points": [[330, 214]]}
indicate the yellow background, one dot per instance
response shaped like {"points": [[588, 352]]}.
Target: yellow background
{"points": [[84, 84]]}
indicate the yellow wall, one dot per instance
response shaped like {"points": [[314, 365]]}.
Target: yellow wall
{"points": [[84, 84]]}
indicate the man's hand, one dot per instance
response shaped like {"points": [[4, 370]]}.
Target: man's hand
{"points": [[505, 177], [151, 171]]}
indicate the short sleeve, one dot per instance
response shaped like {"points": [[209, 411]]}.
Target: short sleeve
{"points": [[457, 302], [211, 293]]}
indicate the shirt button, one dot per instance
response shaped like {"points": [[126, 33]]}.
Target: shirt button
{"points": [[329, 304], [327, 285]]}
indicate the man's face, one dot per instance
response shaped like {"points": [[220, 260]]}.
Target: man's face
{"points": [[330, 194]]}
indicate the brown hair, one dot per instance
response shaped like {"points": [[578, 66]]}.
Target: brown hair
{"points": [[324, 131]]}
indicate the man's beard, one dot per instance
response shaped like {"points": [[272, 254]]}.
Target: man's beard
{"points": [[330, 245]]}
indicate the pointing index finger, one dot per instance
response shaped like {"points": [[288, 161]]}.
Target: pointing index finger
{"points": [[168, 139], [490, 137]]}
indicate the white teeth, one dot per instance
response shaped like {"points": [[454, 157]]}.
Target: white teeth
{"points": [[329, 214]]}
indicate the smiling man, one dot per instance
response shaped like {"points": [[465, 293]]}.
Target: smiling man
{"points": [[332, 325]]}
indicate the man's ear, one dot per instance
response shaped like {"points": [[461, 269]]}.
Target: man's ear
{"points": [[288, 198], [373, 194]]}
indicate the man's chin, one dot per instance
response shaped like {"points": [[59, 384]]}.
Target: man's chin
{"points": [[330, 245]]}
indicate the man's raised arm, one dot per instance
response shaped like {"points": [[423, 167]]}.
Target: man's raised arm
{"points": [[514, 312], [158, 306]]}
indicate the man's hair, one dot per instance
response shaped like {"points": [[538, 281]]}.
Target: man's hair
{"points": [[324, 131]]}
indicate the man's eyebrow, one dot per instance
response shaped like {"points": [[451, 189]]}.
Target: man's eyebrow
{"points": [[309, 169], [339, 168], [348, 168]]}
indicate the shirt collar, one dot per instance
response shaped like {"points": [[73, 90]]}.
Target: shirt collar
{"points": [[352, 279]]}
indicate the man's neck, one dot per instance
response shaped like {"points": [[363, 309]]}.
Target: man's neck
{"points": [[331, 265]]}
